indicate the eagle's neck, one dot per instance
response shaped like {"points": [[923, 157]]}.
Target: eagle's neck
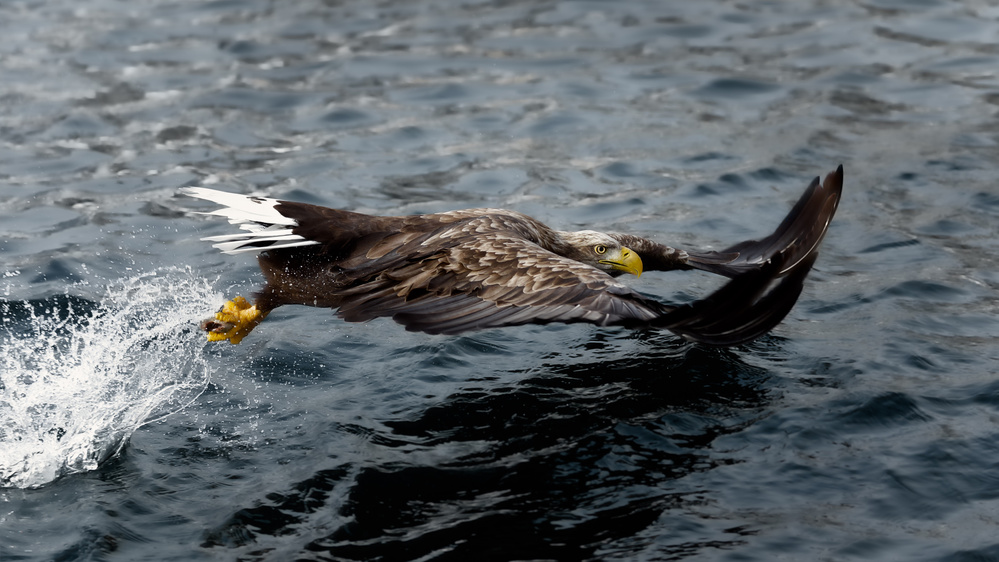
{"points": [[563, 242]]}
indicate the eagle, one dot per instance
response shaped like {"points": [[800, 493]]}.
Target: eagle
{"points": [[472, 269]]}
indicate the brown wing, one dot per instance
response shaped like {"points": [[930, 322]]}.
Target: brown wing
{"points": [[538, 287], [471, 276], [452, 274], [744, 309], [797, 236]]}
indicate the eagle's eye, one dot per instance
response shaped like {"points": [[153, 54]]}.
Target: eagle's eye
{"points": [[600, 249]]}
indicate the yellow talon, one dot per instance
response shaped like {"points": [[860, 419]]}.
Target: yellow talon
{"points": [[234, 321]]}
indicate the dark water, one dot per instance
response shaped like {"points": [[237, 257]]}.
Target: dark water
{"points": [[864, 428]]}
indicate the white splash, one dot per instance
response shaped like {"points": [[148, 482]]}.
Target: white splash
{"points": [[77, 378]]}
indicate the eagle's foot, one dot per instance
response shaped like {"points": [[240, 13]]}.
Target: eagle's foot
{"points": [[233, 321]]}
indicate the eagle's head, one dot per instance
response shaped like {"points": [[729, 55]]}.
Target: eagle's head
{"points": [[602, 252]]}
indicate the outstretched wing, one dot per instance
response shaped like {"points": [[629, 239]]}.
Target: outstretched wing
{"points": [[469, 276], [744, 309], [509, 282], [794, 240]]}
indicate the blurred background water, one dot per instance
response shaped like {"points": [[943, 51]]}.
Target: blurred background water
{"points": [[863, 428]]}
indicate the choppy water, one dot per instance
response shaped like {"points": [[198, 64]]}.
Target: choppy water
{"points": [[78, 377], [863, 428]]}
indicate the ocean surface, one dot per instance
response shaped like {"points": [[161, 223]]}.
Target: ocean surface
{"points": [[865, 427]]}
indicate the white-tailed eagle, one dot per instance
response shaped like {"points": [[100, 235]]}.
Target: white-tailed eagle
{"points": [[452, 272]]}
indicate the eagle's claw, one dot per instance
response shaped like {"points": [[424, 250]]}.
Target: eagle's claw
{"points": [[233, 321]]}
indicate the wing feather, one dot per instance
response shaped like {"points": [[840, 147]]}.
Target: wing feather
{"points": [[477, 282], [745, 308], [797, 236]]}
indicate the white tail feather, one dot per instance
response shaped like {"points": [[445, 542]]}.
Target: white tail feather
{"points": [[257, 233], [267, 229]]}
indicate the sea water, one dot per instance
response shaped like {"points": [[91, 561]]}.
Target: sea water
{"points": [[78, 376]]}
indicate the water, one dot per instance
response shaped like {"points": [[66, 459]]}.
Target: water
{"points": [[78, 377], [862, 428]]}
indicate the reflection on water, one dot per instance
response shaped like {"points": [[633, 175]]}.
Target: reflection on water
{"points": [[560, 464]]}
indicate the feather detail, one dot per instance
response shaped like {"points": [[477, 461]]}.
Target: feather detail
{"points": [[266, 228]]}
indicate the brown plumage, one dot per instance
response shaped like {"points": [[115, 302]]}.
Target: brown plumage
{"points": [[452, 272]]}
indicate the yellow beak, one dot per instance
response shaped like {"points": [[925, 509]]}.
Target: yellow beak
{"points": [[627, 261]]}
